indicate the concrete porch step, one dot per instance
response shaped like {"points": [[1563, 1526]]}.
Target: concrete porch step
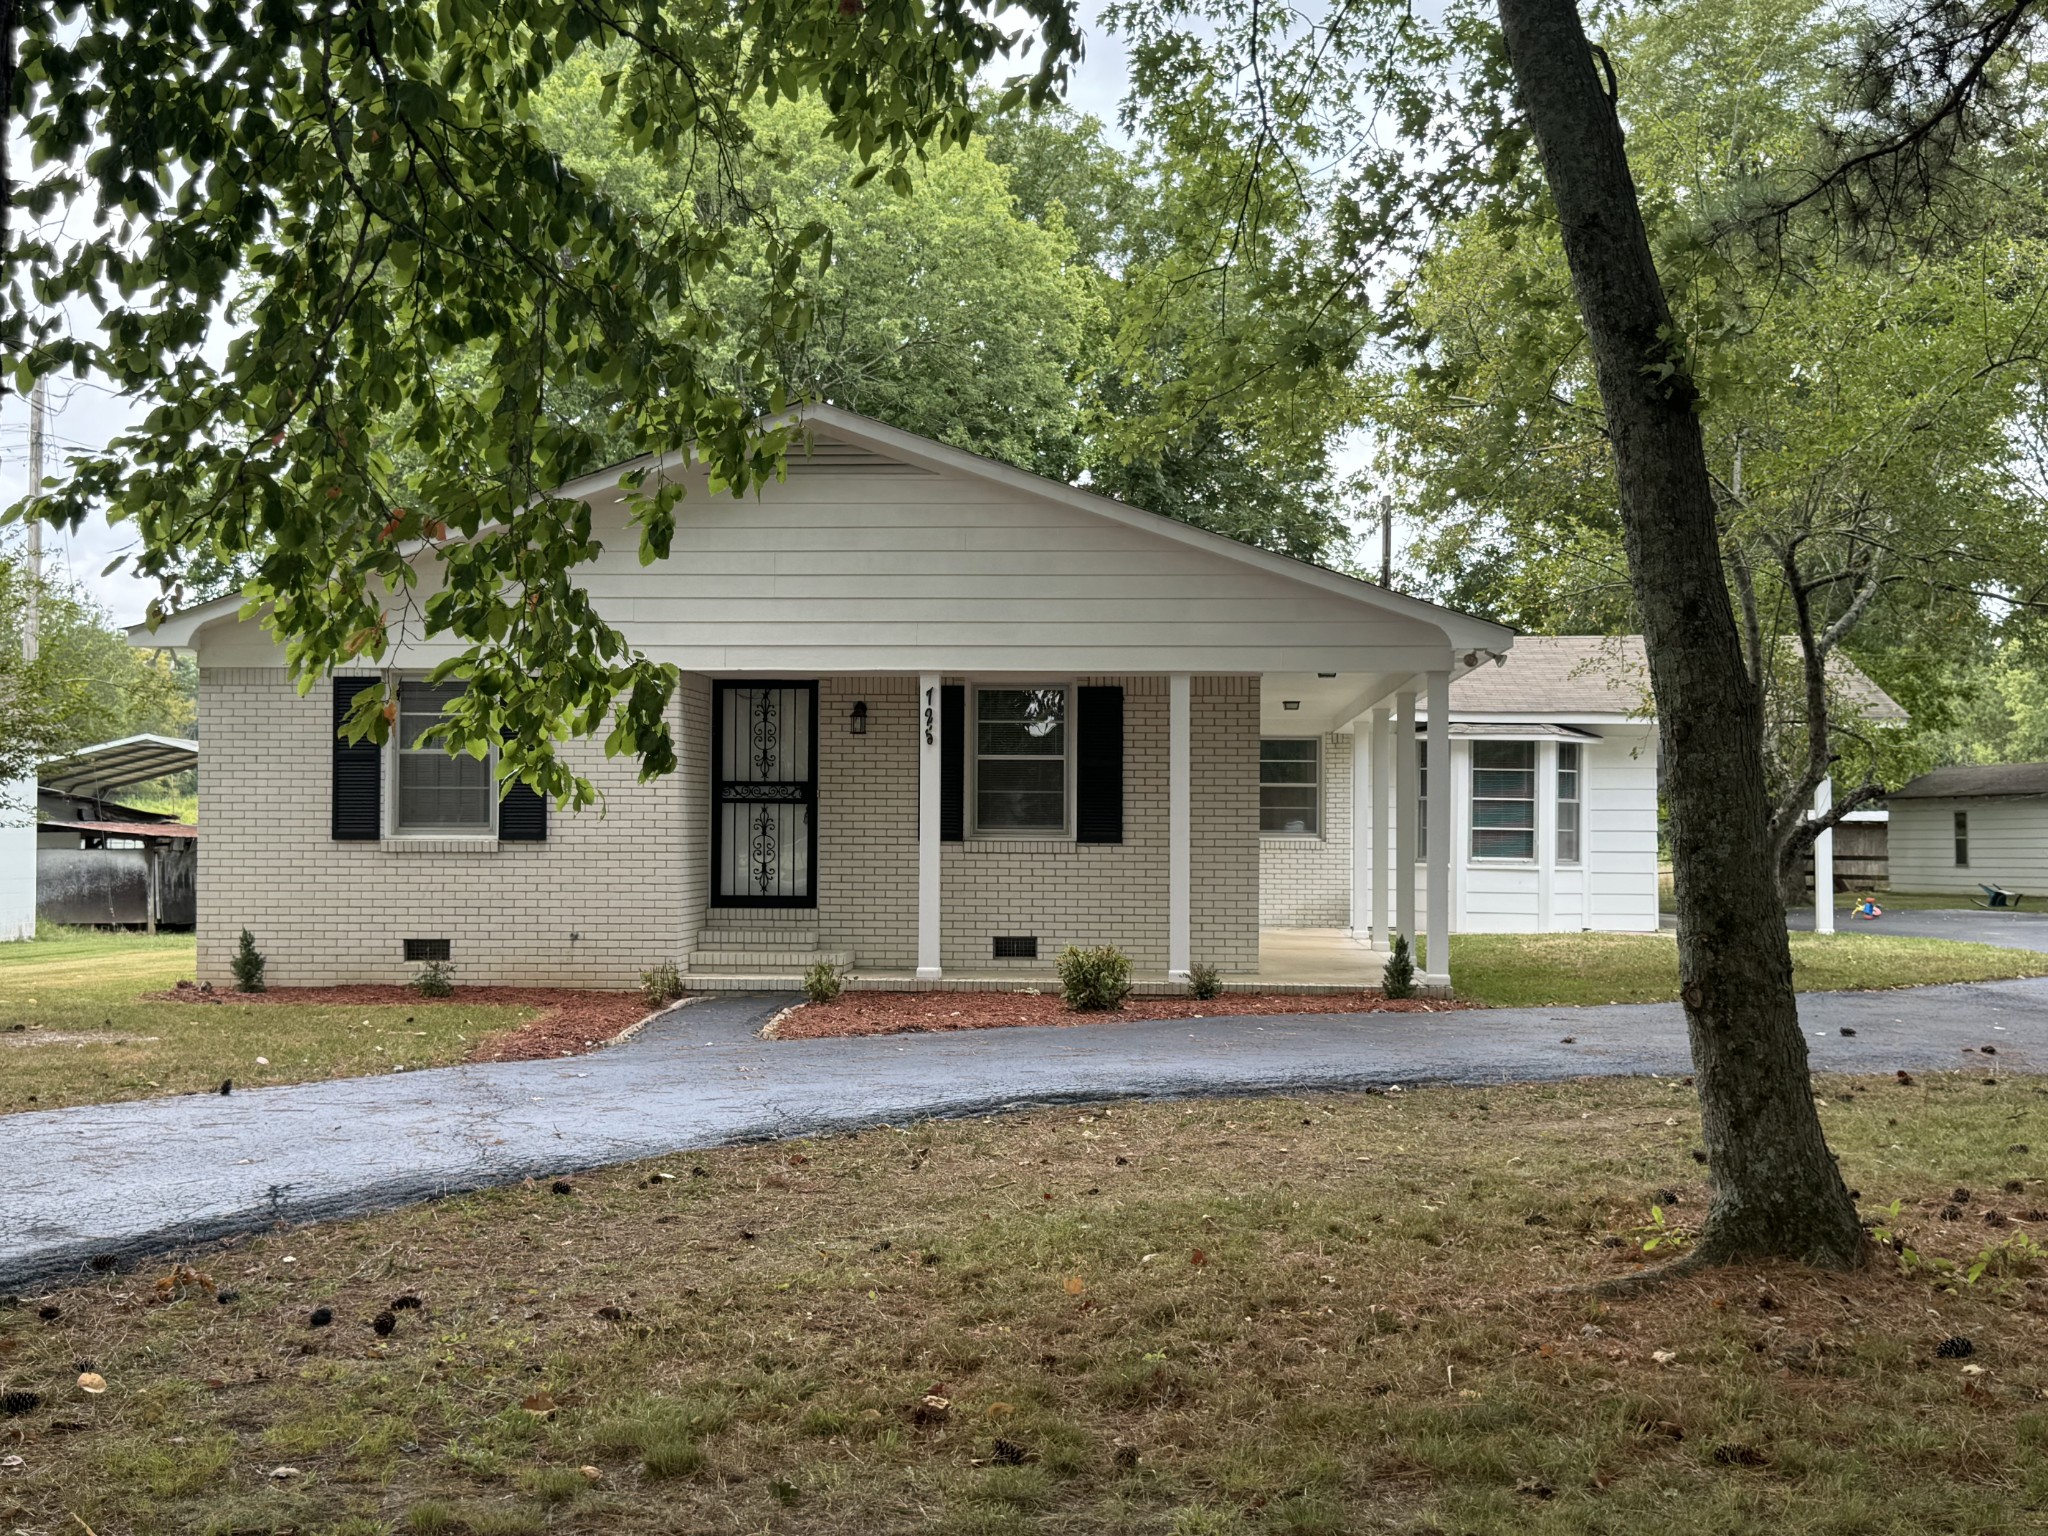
{"points": [[763, 959], [794, 936]]}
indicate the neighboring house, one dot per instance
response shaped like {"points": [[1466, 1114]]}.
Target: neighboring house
{"points": [[1554, 783], [1975, 824], [1553, 790], [939, 718]]}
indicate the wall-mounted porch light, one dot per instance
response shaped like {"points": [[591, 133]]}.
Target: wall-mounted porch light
{"points": [[858, 725]]}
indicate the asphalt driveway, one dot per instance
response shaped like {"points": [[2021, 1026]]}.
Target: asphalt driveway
{"points": [[125, 1180], [1972, 925]]}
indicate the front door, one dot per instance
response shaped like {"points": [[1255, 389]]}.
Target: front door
{"points": [[764, 830]]}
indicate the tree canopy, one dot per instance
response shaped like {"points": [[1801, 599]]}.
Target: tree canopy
{"points": [[364, 192]]}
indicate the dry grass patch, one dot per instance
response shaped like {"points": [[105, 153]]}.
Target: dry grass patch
{"points": [[1294, 1316], [77, 1027]]}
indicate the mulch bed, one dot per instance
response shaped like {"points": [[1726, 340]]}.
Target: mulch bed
{"points": [[570, 1021], [889, 1013]]}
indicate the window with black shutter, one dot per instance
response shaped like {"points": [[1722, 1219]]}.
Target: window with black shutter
{"points": [[1099, 765], [356, 801], [953, 763]]}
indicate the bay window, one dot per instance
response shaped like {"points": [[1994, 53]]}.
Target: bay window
{"points": [[1503, 799], [1568, 802]]}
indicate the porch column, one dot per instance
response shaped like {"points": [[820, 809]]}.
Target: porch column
{"points": [[1180, 827], [1361, 830], [1382, 851], [1439, 852], [1824, 862], [928, 696], [1405, 768]]}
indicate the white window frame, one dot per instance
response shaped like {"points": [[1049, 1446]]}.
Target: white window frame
{"points": [[1473, 797], [1315, 834], [972, 788], [1577, 800], [395, 685]]}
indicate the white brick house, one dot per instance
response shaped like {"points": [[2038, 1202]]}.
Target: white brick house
{"points": [[939, 717]]}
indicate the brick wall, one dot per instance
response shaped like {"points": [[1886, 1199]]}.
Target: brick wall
{"points": [[1224, 923], [867, 821], [607, 895], [1305, 882], [630, 878]]}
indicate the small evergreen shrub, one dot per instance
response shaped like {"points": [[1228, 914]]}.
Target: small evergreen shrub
{"points": [[662, 985], [1204, 982], [822, 982], [1092, 980], [1398, 979], [435, 979], [247, 964]]}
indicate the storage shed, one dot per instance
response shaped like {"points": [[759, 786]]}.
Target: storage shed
{"points": [[1963, 827]]}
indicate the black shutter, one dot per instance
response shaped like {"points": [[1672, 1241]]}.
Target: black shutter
{"points": [[358, 773], [1099, 766], [953, 763], [522, 816]]}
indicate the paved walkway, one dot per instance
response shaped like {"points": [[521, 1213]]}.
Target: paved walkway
{"points": [[136, 1178]]}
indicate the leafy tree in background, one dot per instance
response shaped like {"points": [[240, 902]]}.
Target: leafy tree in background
{"points": [[943, 311], [365, 191], [1864, 409]]}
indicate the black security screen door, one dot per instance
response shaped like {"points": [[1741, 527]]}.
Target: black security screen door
{"points": [[764, 831]]}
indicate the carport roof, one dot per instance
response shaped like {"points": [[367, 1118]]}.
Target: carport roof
{"points": [[111, 764]]}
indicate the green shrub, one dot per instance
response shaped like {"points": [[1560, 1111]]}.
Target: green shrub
{"points": [[435, 979], [1204, 982], [1094, 979], [662, 985], [822, 982], [247, 964], [1398, 979]]}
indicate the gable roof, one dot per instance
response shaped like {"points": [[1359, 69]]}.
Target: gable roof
{"points": [[841, 441], [1968, 781], [1610, 674], [1560, 675]]}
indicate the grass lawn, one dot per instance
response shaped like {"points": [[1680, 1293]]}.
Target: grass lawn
{"points": [[1511, 970], [75, 1029], [1253, 1316]]}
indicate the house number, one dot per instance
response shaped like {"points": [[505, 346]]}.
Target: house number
{"points": [[928, 717]]}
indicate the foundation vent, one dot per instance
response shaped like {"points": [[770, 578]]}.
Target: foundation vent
{"points": [[1017, 947], [426, 949]]}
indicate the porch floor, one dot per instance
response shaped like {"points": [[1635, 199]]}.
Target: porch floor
{"points": [[1297, 960]]}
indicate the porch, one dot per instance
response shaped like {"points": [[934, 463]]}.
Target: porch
{"points": [[1301, 961]]}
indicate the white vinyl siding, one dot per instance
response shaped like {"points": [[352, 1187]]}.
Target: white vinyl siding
{"points": [[2007, 845]]}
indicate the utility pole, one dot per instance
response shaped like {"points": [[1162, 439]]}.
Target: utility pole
{"points": [[1387, 543], [38, 404]]}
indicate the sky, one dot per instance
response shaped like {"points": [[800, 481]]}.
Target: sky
{"points": [[85, 414]]}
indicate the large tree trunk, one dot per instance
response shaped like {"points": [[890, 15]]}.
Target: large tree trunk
{"points": [[1776, 1190]]}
